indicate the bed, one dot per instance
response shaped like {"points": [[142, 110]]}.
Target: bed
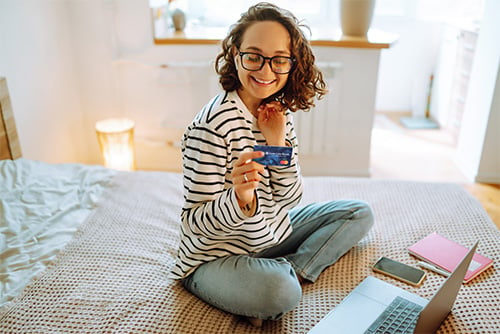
{"points": [[86, 249]]}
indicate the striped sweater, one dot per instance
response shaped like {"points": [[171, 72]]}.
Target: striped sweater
{"points": [[213, 225]]}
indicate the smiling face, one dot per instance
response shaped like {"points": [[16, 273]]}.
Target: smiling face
{"points": [[269, 39]]}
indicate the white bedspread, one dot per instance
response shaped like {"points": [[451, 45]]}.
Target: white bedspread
{"points": [[41, 206]]}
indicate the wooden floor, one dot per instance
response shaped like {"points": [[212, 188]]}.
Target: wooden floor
{"points": [[423, 155]]}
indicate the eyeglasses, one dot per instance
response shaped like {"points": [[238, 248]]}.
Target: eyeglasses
{"points": [[254, 62]]}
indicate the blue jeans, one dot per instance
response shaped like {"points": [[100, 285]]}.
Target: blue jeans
{"points": [[264, 285]]}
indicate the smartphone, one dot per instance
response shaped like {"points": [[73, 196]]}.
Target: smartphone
{"points": [[400, 271]]}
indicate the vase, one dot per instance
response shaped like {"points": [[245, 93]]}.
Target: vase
{"points": [[179, 19], [356, 17]]}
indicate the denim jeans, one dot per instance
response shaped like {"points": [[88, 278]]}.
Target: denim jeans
{"points": [[264, 285]]}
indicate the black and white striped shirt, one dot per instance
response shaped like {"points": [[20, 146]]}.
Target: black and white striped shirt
{"points": [[213, 225]]}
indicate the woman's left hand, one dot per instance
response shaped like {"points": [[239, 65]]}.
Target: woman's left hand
{"points": [[272, 123]]}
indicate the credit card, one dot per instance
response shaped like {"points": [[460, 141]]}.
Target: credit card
{"points": [[274, 155]]}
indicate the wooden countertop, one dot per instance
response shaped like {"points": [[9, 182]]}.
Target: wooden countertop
{"points": [[376, 39]]}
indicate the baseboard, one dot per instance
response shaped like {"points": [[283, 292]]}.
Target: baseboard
{"points": [[488, 178], [475, 176]]}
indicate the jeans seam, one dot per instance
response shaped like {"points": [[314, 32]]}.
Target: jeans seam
{"points": [[316, 255]]}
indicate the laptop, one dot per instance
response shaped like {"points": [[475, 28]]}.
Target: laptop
{"points": [[374, 301]]}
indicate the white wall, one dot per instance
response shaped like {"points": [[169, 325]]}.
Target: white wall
{"points": [[478, 151], [489, 166], [36, 57], [405, 68], [92, 32]]}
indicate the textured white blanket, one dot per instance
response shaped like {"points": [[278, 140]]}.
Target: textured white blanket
{"points": [[112, 277]]}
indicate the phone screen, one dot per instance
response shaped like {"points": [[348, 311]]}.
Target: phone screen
{"points": [[399, 270]]}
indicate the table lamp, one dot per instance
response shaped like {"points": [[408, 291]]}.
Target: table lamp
{"points": [[116, 140]]}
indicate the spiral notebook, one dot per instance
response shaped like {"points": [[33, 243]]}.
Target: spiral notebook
{"points": [[447, 254]]}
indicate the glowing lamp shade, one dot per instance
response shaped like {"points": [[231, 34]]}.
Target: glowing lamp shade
{"points": [[116, 139]]}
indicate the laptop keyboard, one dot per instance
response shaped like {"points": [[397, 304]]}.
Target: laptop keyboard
{"points": [[399, 317]]}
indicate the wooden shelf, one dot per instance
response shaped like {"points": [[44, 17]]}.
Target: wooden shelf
{"points": [[376, 39]]}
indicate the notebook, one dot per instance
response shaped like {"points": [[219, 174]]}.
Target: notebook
{"points": [[447, 254], [364, 307]]}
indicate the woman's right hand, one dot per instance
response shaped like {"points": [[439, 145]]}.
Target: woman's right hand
{"points": [[246, 176]]}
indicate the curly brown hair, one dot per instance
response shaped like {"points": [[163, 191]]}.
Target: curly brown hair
{"points": [[305, 81]]}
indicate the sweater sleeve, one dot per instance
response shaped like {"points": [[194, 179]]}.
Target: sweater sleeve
{"points": [[210, 208], [286, 182]]}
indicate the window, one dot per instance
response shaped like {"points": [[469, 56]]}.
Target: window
{"points": [[314, 13], [223, 13]]}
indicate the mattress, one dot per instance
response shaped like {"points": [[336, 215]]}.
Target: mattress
{"points": [[110, 273]]}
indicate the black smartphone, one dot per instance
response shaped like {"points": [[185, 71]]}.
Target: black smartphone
{"points": [[400, 271]]}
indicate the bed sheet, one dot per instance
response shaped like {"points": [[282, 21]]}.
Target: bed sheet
{"points": [[41, 206]]}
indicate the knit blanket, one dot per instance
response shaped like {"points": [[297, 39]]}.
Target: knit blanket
{"points": [[112, 277]]}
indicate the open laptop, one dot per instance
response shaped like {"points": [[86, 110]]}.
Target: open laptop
{"points": [[373, 300]]}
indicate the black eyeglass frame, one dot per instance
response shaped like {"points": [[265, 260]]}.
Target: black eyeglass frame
{"points": [[291, 60]]}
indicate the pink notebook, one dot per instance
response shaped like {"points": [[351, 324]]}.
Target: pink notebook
{"points": [[446, 254]]}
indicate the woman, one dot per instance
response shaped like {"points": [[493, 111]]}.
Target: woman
{"points": [[245, 247]]}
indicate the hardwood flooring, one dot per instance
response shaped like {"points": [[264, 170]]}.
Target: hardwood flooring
{"points": [[423, 155]]}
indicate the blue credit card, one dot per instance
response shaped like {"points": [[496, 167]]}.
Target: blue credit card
{"points": [[274, 155]]}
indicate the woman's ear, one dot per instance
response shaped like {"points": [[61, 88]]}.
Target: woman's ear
{"points": [[234, 52]]}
